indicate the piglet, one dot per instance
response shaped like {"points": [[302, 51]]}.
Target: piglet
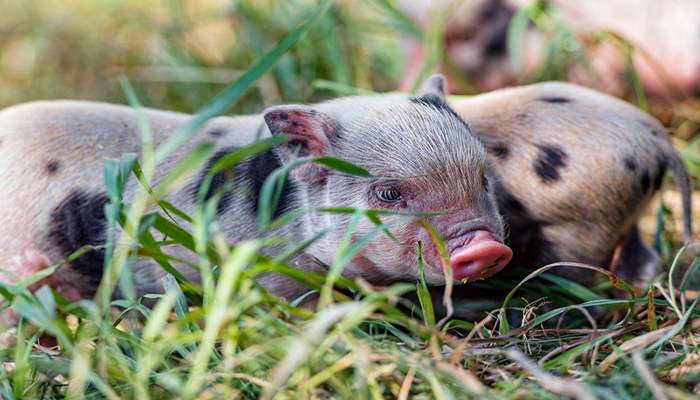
{"points": [[421, 155], [574, 171]]}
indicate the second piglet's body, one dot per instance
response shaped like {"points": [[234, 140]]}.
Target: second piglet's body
{"points": [[575, 170], [422, 157]]}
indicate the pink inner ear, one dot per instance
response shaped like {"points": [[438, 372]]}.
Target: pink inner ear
{"points": [[308, 128], [304, 125]]}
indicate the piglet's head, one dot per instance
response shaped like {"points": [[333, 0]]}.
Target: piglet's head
{"points": [[426, 167]]}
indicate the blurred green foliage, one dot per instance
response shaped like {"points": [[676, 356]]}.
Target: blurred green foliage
{"points": [[180, 53]]}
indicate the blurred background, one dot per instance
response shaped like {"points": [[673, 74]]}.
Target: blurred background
{"points": [[180, 53]]}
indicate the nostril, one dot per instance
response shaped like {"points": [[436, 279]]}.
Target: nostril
{"points": [[485, 263], [499, 261], [461, 264]]}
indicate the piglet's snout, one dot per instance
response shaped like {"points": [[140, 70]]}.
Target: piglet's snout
{"points": [[480, 257]]}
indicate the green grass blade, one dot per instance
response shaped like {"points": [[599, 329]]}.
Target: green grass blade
{"points": [[234, 92], [342, 166]]}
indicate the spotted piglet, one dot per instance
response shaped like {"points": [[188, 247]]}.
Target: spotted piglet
{"points": [[420, 153], [575, 169]]}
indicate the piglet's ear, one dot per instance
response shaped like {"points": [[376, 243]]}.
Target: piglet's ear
{"points": [[435, 85], [310, 132]]}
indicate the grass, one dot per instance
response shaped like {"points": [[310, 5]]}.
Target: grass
{"points": [[541, 337]]}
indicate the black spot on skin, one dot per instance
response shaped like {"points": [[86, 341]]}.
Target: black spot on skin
{"points": [[218, 182], [526, 237], [79, 220], [554, 99], [658, 180], [550, 160], [500, 150], [430, 100], [284, 116], [251, 172], [438, 103], [630, 164], [226, 180], [53, 166], [216, 133], [644, 182], [509, 203], [257, 170]]}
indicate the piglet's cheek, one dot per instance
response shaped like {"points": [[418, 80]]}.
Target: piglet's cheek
{"points": [[481, 257]]}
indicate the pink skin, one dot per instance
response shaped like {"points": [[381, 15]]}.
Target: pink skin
{"points": [[481, 256], [475, 251], [32, 261]]}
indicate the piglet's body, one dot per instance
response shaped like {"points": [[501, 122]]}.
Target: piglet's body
{"points": [[575, 170], [422, 157]]}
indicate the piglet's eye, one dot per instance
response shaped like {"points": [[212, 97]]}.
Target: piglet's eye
{"points": [[485, 182], [389, 194]]}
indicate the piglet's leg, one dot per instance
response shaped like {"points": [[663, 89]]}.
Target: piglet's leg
{"points": [[634, 261], [23, 265], [13, 270], [31, 261]]}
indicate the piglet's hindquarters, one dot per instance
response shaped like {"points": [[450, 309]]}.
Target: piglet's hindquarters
{"points": [[574, 169]]}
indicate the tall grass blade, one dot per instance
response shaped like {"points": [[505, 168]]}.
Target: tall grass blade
{"points": [[234, 92]]}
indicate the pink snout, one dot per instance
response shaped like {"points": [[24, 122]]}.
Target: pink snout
{"points": [[480, 257]]}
